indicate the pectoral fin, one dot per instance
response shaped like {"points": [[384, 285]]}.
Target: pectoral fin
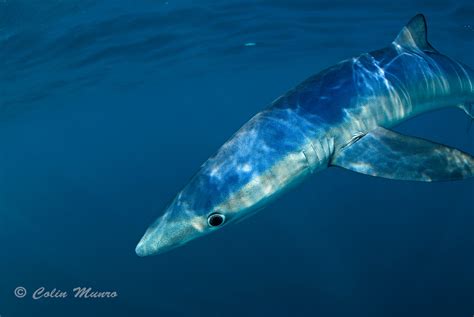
{"points": [[387, 154]]}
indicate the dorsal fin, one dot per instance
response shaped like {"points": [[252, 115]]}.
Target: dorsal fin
{"points": [[414, 35]]}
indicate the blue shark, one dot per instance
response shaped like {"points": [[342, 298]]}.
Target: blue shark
{"points": [[339, 117]]}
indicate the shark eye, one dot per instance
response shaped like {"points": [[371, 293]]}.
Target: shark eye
{"points": [[216, 219]]}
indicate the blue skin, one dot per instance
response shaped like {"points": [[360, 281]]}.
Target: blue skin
{"points": [[303, 129]]}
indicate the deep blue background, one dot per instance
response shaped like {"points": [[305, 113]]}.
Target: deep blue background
{"points": [[107, 109]]}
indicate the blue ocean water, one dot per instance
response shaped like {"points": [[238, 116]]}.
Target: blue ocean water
{"points": [[107, 108]]}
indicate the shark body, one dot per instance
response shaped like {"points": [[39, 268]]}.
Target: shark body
{"points": [[339, 117]]}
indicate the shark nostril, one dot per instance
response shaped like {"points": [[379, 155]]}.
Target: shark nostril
{"points": [[215, 220]]}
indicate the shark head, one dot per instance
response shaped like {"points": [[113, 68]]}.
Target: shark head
{"points": [[223, 191], [213, 198], [245, 174]]}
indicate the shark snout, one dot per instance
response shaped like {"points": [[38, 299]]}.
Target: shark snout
{"points": [[168, 232]]}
